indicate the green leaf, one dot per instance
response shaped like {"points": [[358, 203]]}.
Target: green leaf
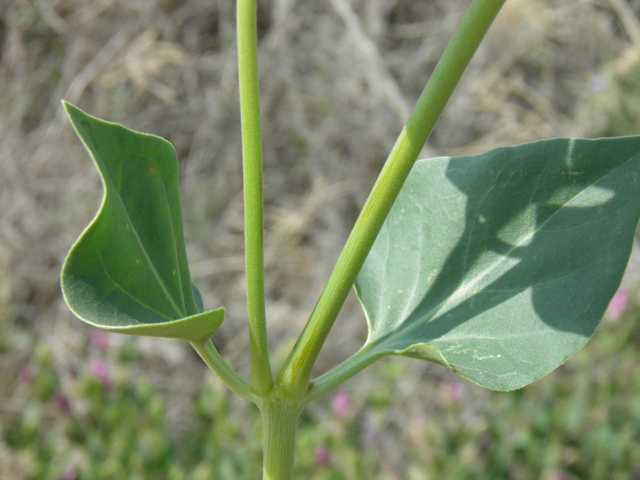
{"points": [[500, 266], [128, 271]]}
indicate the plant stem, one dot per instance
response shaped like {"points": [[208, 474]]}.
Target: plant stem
{"points": [[215, 362], [341, 373], [261, 377], [280, 420], [296, 371]]}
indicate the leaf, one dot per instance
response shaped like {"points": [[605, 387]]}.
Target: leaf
{"points": [[128, 271], [500, 266]]}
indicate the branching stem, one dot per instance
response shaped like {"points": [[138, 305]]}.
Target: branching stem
{"points": [[295, 374]]}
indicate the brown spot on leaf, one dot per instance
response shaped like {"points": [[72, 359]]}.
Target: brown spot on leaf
{"points": [[151, 169]]}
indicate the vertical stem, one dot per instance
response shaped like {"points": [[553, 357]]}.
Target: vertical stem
{"points": [[280, 420], [261, 377], [296, 372]]}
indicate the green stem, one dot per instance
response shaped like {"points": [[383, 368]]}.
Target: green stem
{"points": [[295, 374], [280, 420], [261, 377], [215, 362], [343, 372]]}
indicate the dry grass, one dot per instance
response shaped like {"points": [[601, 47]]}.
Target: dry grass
{"points": [[339, 78]]}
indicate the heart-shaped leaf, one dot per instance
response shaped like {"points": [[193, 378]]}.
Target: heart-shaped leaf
{"points": [[128, 271], [500, 266]]}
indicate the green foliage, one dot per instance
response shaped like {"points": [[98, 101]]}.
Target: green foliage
{"points": [[581, 422], [500, 266], [107, 426], [128, 271]]}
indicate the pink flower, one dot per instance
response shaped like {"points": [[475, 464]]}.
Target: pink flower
{"points": [[322, 456], [370, 434], [101, 371], [25, 374], [62, 403], [342, 406], [69, 474], [559, 475], [456, 391], [452, 391], [618, 305], [100, 340]]}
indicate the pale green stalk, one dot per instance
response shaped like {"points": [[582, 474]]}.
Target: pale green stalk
{"points": [[261, 377], [296, 372], [341, 373], [215, 362], [279, 423]]}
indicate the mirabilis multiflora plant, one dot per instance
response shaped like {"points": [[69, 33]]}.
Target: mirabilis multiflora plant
{"points": [[498, 266]]}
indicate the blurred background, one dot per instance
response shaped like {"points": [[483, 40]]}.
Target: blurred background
{"points": [[338, 78]]}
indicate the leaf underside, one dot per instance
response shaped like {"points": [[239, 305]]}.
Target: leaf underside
{"points": [[500, 266], [128, 271]]}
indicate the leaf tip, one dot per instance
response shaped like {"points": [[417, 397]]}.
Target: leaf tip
{"points": [[68, 107]]}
